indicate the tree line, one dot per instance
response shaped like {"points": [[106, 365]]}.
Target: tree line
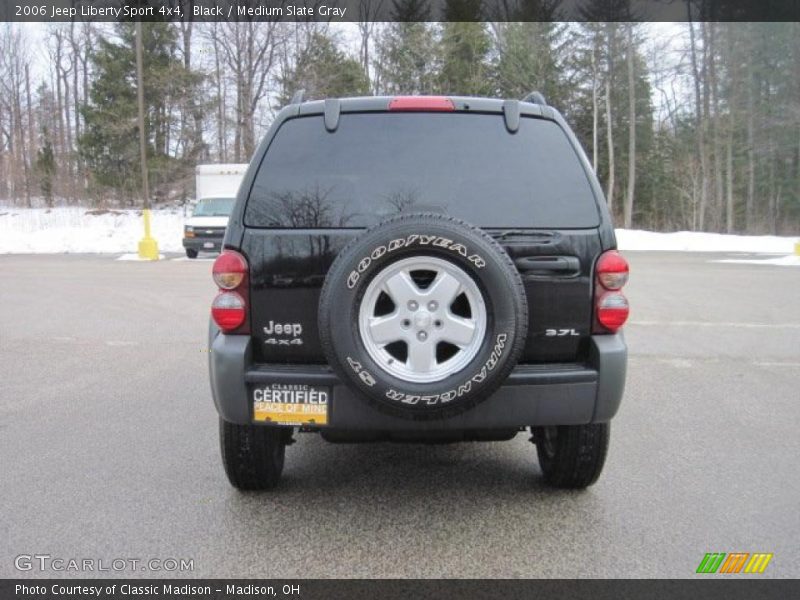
{"points": [[689, 126]]}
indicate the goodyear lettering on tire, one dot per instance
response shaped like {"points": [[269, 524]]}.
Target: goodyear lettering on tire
{"points": [[413, 239]]}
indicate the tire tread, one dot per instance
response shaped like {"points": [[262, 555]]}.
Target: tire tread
{"points": [[579, 457], [252, 455]]}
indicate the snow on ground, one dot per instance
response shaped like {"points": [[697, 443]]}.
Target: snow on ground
{"points": [[782, 261], [134, 257], [689, 241], [73, 229]]}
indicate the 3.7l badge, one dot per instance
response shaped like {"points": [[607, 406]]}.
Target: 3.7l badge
{"points": [[561, 333]]}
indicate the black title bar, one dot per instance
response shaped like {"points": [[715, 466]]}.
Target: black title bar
{"points": [[397, 10], [390, 589]]}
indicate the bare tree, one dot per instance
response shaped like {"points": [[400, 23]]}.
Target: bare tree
{"points": [[699, 79], [716, 123], [731, 125], [191, 133], [221, 97], [595, 105], [751, 142], [14, 64], [631, 51], [249, 52], [368, 10], [610, 29], [58, 51]]}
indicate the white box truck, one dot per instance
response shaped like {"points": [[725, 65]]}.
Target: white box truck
{"points": [[216, 188]]}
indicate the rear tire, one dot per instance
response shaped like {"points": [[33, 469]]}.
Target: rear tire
{"points": [[572, 456], [252, 455], [191, 253]]}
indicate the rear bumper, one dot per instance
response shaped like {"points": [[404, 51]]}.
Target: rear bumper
{"points": [[200, 244], [534, 395]]}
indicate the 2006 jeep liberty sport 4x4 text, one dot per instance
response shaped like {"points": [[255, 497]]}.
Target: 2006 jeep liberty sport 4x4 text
{"points": [[424, 269]]}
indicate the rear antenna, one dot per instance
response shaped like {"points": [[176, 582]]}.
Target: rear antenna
{"points": [[536, 98], [298, 97]]}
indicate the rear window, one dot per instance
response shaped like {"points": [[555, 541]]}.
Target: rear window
{"points": [[379, 164]]}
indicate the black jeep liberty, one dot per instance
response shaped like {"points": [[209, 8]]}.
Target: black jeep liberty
{"points": [[424, 269]]}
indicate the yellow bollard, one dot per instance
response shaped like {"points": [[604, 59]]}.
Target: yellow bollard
{"points": [[797, 248], [148, 247]]}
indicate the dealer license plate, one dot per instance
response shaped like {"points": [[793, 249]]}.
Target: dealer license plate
{"points": [[291, 404]]}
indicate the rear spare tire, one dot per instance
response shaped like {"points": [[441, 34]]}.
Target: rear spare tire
{"points": [[424, 314]]}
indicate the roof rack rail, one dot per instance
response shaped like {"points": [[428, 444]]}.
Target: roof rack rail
{"points": [[298, 97], [536, 98]]}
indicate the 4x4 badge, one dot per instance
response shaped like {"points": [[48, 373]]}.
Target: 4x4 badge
{"points": [[292, 342]]}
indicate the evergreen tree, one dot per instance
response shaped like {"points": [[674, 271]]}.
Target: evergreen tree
{"points": [[524, 10], [465, 50], [463, 11], [46, 166], [408, 59], [465, 53], [411, 10], [109, 144], [528, 59], [324, 71], [607, 10]]}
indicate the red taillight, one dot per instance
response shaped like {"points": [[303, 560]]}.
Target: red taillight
{"points": [[612, 310], [229, 270], [422, 103], [612, 270], [229, 311], [611, 306], [229, 308]]}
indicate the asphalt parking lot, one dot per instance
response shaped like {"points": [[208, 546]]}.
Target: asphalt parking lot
{"points": [[109, 446]]}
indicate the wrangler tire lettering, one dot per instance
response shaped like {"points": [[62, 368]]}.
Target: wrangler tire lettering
{"points": [[462, 389]]}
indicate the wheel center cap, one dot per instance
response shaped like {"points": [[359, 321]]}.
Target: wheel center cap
{"points": [[422, 319]]}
